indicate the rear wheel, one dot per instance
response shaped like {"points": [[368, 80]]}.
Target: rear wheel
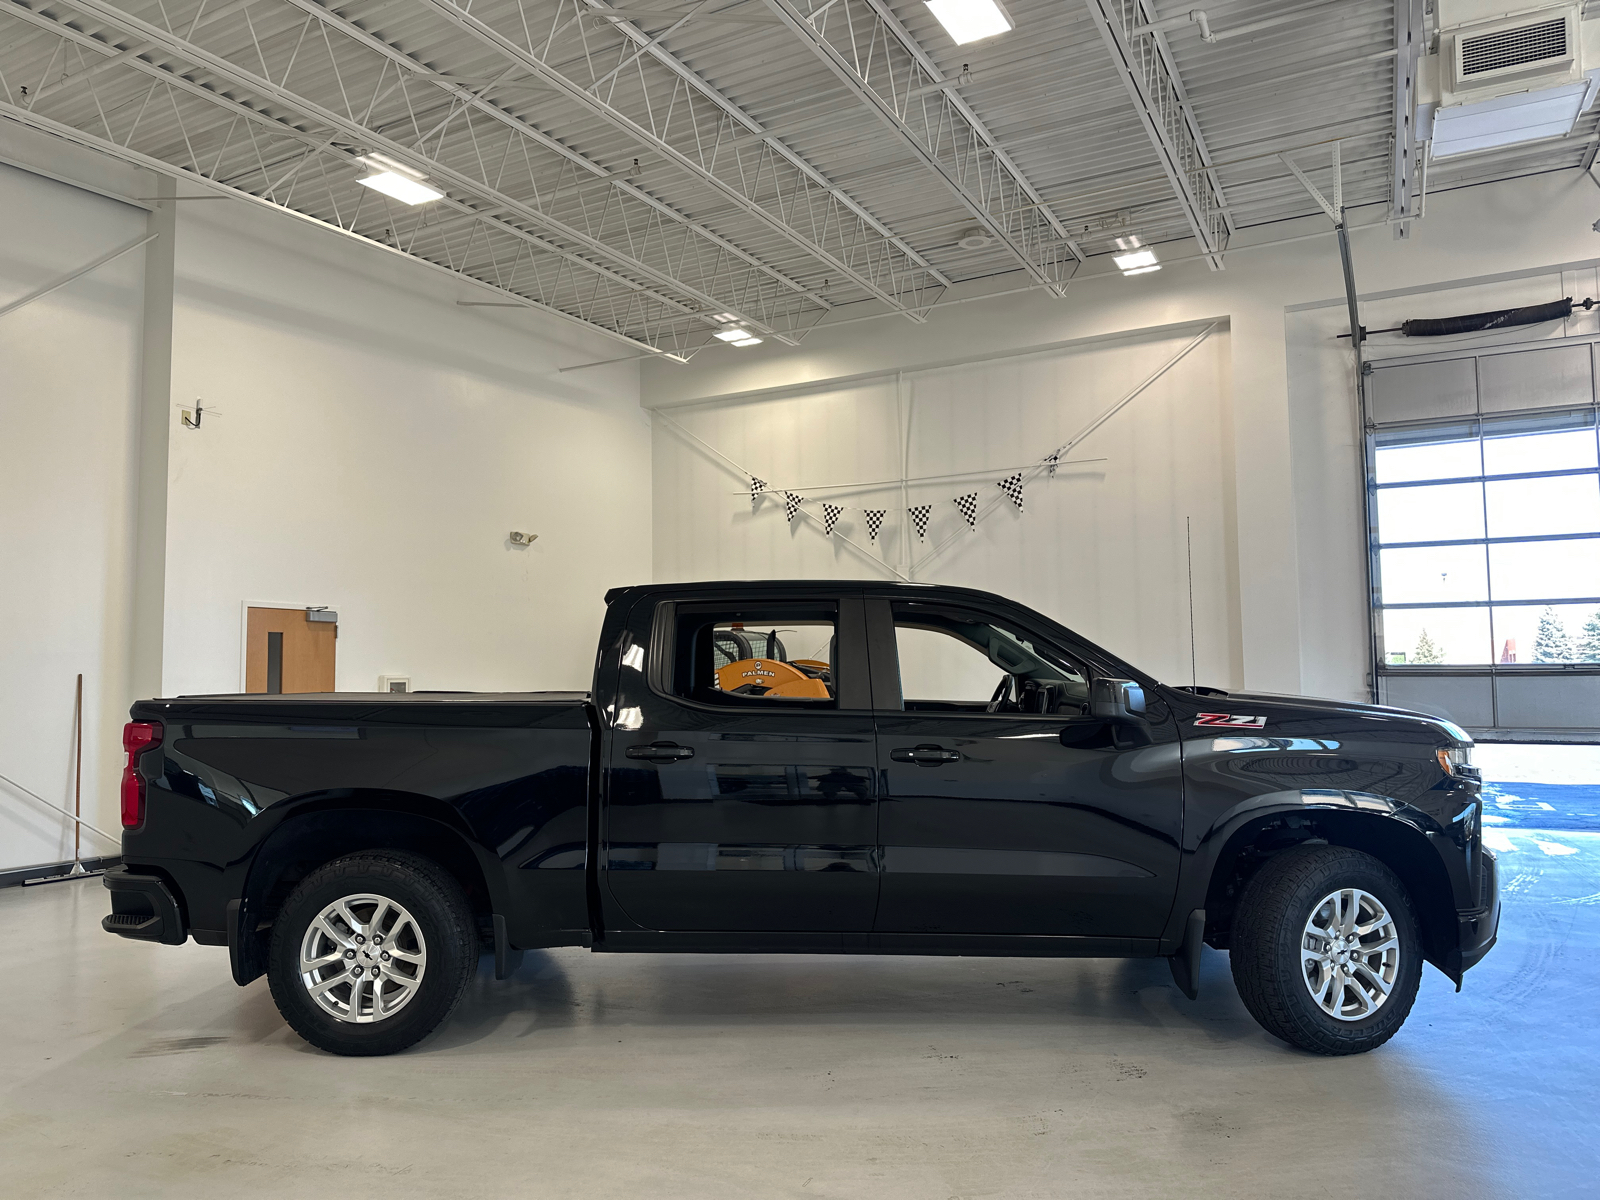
{"points": [[371, 953], [1326, 951]]}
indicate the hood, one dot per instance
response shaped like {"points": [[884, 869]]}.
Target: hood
{"points": [[1317, 704]]}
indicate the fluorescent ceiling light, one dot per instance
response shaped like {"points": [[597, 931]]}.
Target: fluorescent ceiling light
{"points": [[733, 334], [749, 341], [398, 180], [1140, 262], [724, 317], [402, 187], [971, 20]]}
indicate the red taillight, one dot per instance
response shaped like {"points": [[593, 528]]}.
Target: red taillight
{"points": [[137, 737]]}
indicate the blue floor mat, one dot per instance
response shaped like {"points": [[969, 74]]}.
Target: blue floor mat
{"points": [[1511, 805]]}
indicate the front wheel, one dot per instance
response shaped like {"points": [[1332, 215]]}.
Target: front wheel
{"points": [[1325, 950], [370, 953]]}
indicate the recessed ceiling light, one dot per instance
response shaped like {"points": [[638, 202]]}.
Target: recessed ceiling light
{"points": [[1139, 262], [398, 180], [749, 341], [733, 333], [971, 20]]}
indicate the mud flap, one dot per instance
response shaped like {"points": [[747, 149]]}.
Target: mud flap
{"points": [[506, 959], [1185, 963]]}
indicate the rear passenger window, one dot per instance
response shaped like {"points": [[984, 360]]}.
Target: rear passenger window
{"points": [[757, 657]]}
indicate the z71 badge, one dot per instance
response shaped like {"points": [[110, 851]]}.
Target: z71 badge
{"points": [[1231, 720]]}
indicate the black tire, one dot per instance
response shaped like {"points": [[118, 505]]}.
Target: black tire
{"points": [[436, 902], [1270, 928]]}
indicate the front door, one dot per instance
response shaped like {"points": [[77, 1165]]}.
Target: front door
{"points": [[990, 823], [740, 789]]}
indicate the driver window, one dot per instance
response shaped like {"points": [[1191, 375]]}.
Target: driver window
{"points": [[758, 657], [951, 661]]}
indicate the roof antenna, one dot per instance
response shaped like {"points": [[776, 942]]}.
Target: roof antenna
{"points": [[1188, 551]]}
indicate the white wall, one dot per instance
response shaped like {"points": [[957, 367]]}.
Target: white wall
{"points": [[1298, 574], [372, 446], [69, 388], [1100, 547]]}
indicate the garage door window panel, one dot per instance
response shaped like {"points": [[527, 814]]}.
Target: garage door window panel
{"points": [[1481, 569]]}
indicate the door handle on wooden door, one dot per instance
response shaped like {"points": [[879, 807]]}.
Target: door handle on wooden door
{"points": [[925, 756]]}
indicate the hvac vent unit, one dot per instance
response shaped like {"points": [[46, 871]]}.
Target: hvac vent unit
{"points": [[1521, 46], [1512, 53], [1500, 79]]}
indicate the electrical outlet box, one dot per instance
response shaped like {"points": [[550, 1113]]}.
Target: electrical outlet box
{"points": [[394, 683]]}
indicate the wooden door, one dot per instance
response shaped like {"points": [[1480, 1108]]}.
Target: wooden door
{"points": [[285, 652]]}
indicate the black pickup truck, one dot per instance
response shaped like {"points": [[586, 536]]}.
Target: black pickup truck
{"points": [[814, 767]]}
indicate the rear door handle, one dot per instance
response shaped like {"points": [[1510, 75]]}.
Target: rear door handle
{"points": [[925, 756], [660, 752]]}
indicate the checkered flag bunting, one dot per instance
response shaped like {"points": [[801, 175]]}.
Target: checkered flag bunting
{"points": [[830, 516], [919, 518], [757, 486], [1011, 485], [791, 505], [1053, 461], [875, 518], [968, 505]]}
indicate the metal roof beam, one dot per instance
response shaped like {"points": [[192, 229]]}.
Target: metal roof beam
{"points": [[1404, 187], [613, 304], [691, 124], [867, 48], [370, 138], [1158, 99], [139, 159], [596, 171]]}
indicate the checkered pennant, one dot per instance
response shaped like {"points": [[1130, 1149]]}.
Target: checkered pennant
{"points": [[757, 486], [791, 505], [919, 518], [875, 518], [1052, 462], [1011, 485], [968, 505], [830, 516]]}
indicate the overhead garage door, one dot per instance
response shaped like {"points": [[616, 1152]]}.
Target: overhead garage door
{"points": [[1484, 472]]}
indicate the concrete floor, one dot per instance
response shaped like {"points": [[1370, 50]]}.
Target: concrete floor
{"points": [[132, 1070]]}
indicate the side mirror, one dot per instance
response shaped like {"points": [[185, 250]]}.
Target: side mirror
{"points": [[1116, 699]]}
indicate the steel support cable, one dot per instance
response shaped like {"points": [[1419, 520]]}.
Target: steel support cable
{"points": [[46, 289], [35, 796]]}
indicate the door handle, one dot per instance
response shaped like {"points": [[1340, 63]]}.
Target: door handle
{"points": [[925, 756], [660, 752]]}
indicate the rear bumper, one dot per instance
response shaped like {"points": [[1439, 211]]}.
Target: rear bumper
{"points": [[143, 908], [1480, 927]]}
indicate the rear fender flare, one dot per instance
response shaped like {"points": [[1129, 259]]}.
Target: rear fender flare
{"points": [[422, 823]]}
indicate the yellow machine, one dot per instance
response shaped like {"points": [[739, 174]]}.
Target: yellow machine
{"points": [[770, 677]]}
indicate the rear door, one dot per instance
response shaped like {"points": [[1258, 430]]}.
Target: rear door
{"points": [[990, 824], [740, 791]]}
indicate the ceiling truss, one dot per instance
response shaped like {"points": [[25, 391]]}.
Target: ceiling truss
{"points": [[877, 59]]}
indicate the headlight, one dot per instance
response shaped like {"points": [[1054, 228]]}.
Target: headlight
{"points": [[1457, 762]]}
